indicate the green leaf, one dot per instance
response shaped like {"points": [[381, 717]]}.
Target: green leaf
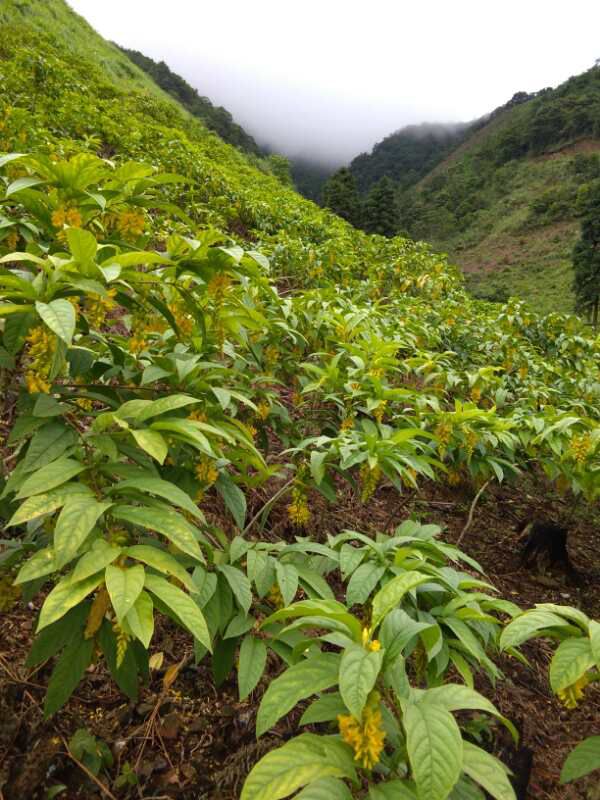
{"points": [[287, 580], [487, 771], [161, 488], [317, 465], [69, 670], [124, 585], [59, 316], [435, 749], [527, 624], [233, 497], [362, 583], [65, 595], [456, 697], [239, 584], [325, 789], [47, 444], [582, 760], [75, 522], [182, 606], [301, 680], [41, 504], [392, 593], [82, 244], [169, 523], [97, 558], [394, 790], [358, 672], [140, 618], [253, 658], [594, 630], [163, 562], [300, 761], [572, 659], [164, 404], [41, 563], [324, 709], [151, 442], [50, 476]]}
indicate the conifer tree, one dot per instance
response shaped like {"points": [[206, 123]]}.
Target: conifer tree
{"points": [[380, 213], [341, 196], [586, 257]]}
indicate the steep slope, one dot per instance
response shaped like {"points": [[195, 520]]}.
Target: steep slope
{"points": [[216, 118]]}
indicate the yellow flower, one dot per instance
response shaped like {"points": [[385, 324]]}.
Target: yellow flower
{"points": [[40, 352], [58, 217], [206, 472], [12, 240], [347, 423], [131, 223], [572, 694], [366, 736], [218, 286], [475, 394], [73, 218], [298, 511], [97, 307], [137, 344], [275, 597], [369, 480], [263, 410], [379, 412], [197, 416], [36, 384], [580, 448]]}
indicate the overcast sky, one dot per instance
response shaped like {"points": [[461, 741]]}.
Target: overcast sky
{"points": [[329, 78]]}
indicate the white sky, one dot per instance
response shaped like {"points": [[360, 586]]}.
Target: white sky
{"points": [[329, 78]]}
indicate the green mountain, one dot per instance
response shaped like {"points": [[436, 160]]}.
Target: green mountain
{"points": [[216, 118], [501, 199]]}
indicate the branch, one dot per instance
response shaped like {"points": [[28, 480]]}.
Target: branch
{"points": [[472, 511]]}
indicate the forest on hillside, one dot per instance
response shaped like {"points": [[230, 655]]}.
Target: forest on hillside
{"points": [[285, 510]]}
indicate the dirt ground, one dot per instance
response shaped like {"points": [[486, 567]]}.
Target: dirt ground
{"points": [[196, 741]]}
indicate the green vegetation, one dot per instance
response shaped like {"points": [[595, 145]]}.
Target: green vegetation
{"points": [[217, 119], [188, 348], [586, 255]]}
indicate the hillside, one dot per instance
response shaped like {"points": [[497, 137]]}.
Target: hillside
{"points": [[262, 477], [216, 118]]}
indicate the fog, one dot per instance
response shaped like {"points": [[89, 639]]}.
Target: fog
{"points": [[327, 79]]}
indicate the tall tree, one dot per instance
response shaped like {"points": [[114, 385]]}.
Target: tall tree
{"points": [[586, 256], [341, 196], [380, 213]]}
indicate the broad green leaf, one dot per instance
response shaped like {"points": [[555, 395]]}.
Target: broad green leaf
{"points": [[41, 563], [75, 522], [239, 584], [527, 625], [325, 789], [50, 476], [186, 431], [253, 658], [324, 709], [82, 243], [359, 669], [317, 465], [318, 608], [59, 316], [392, 593], [456, 697], [161, 488], [47, 444], [151, 442], [69, 670], [41, 504], [301, 680], [124, 585], [299, 762], [487, 771], [171, 524], [164, 404], [394, 790], [362, 583], [234, 499], [435, 749], [572, 659], [182, 606], [582, 760], [65, 595], [594, 629], [140, 618], [97, 558], [163, 562], [287, 580]]}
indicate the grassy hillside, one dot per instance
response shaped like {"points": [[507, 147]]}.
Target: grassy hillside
{"points": [[249, 457]]}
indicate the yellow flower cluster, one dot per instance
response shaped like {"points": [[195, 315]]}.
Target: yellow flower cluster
{"points": [[218, 286], [369, 479], [11, 241], [379, 412], [580, 448], [137, 344], [471, 440], [476, 394], [197, 416], [40, 351], [97, 307], [571, 695], [347, 423], [298, 511], [122, 643], [97, 612], [453, 477], [275, 597], [131, 223], [184, 321], [443, 432], [206, 472], [263, 410], [366, 736], [66, 216], [271, 356]]}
